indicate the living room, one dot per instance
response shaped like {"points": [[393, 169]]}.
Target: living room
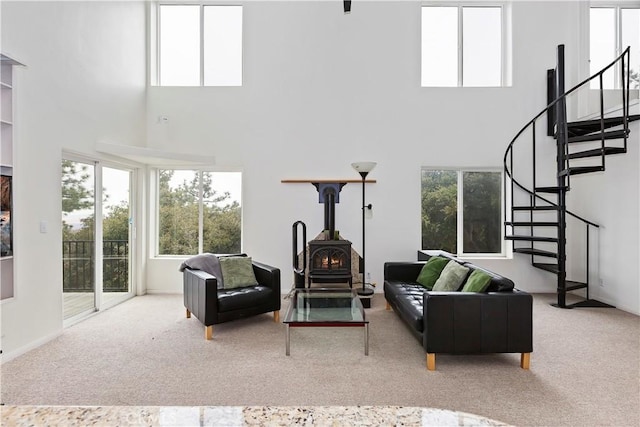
{"points": [[320, 89]]}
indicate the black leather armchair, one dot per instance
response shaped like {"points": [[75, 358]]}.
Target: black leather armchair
{"points": [[211, 305], [496, 321]]}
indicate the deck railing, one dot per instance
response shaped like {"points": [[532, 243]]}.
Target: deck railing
{"points": [[78, 260]]}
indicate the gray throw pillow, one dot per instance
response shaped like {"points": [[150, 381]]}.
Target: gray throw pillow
{"points": [[451, 277], [237, 272]]}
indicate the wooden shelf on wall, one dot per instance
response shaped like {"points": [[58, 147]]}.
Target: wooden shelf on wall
{"points": [[325, 181]]}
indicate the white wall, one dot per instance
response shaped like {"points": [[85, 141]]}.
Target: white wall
{"points": [[320, 91], [84, 80], [610, 199]]}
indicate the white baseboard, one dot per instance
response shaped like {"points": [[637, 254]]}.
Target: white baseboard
{"points": [[162, 291], [5, 357]]}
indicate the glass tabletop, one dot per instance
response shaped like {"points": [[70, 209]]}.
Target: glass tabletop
{"points": [[325, 306]]}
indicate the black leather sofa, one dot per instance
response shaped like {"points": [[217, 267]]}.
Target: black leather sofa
{"points": [[498, 320], [211, 305]]}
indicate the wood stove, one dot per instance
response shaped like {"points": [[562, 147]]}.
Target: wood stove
{"points": [[330, 261], [329, 257]]}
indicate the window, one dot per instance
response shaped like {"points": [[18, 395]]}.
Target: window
{"points": [[199, 212], [462, 46], [199, 45], [474, 229], [612, 30]]}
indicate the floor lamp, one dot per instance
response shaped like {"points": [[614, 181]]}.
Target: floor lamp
{"points": [[363, 168]]}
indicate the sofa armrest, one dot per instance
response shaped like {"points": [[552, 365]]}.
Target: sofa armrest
{"points": [[200, 291], [494, 322], [267, 275], [403, 271]]}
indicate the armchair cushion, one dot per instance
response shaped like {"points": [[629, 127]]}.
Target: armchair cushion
{"points": [[237, 272], [451, 278]]}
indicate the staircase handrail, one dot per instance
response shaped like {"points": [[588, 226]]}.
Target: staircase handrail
{"points": [[545, 110]]}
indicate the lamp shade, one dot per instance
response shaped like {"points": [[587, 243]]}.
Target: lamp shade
{"points": [[364, 167]]}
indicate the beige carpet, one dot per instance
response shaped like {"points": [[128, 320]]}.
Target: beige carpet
{"points": [[585, 368]]}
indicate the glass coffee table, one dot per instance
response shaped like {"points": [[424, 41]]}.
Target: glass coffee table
{"points": [[321, 307]]}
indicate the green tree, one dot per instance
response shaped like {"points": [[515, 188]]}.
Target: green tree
{"points": [[179, 211], [439, 210], [482, 212], [76, 194], [481, 197], [115, 248]]}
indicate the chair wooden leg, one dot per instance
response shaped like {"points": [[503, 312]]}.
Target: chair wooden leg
{"points": [[431, 361], [208, 332], [525, 358], [388, 306], [188, 314], [276, 316]]}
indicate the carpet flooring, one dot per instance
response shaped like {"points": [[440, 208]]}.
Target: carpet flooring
{"points": [[585, 366]]}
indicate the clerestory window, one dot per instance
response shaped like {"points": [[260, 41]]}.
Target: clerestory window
{"points": [[199, 45], [463, 46], [611, 30]]}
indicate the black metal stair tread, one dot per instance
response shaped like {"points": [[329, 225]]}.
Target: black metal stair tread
{"points": [[539, 252], [531, 223], [599, 136], [532, 238], [553, 268], [572, 286], [583, 127], [597, 152], [535, 208], [580, 170], [555, 190]]}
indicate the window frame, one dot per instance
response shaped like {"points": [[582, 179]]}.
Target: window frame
{"points": [[155, 179], [460, 211], [157, 30], [504, 43]]}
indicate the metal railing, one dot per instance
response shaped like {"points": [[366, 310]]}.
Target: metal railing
{"points": [[78, 263], [556, 118]]}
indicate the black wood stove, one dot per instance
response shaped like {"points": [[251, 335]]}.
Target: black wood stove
{"points": [[329, 256]]}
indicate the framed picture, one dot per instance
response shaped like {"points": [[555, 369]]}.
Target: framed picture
{"points": [[6, 228]]}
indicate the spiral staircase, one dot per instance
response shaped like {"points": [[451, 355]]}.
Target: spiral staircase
{"points": [[537, 216]]}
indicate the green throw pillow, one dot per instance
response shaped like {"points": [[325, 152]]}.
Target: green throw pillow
{"points": [[478, 281], [451, 277], [431, 271], [237, 272]]}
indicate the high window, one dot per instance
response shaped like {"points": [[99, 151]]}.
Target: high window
{"points": [[199, 45], [198, 212], [462, 211], [612, 30], [462, 46]]}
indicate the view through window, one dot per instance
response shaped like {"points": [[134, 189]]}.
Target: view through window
{"points": [[475, 228], [199, 212]]}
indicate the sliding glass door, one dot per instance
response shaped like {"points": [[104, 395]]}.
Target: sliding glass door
{"points": [[96, 236], [78, 238], [116, 235]]}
